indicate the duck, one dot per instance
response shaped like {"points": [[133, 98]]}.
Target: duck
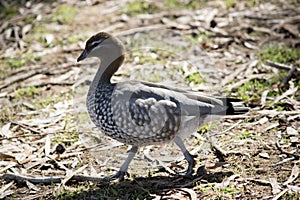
{"points": [[139, 113]]}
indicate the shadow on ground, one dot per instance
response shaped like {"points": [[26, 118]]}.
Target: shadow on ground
{"points": [[148, 187]]}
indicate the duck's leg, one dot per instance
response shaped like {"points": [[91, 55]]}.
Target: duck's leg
{"points": [[123, 169], [191, 161]]}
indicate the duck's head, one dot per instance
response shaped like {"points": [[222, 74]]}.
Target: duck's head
{"points": [[102, 45]]}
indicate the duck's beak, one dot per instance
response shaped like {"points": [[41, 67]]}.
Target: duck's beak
{"points": [[82, 56]]}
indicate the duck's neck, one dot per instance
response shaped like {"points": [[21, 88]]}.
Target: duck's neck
{"points": [[108, 66]]}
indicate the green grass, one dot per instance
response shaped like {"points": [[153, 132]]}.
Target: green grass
{"points": [[9, 11], [143, 7], [64, 14], [106, 191], [26, 92], [195, 78], [200, 38], [67, 138], [229, 3], [140, 7], [280, 53], [20, 59], [252, 89], [244, 135]]}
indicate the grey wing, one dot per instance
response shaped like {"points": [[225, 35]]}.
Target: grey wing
{"points": [[145, 114]]}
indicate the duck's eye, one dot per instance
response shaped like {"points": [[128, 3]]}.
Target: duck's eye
{"points": [[95, 43]]}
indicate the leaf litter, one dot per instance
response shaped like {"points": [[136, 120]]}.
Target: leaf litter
{"points": [[256, 156]]}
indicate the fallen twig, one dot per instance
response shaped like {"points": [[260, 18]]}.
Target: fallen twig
{"points": [[278, 65], [50, 180], [292, 72], [259, 181], [278, 196], [296, 156], [141, 29]]}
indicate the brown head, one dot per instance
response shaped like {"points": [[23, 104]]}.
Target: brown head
{"points": [[100, 45], [109, 50]]}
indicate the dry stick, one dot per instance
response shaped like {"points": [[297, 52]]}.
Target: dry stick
{"points": [[141, 29], [282, 66], [292, 71], [30, 74], [296, 156], [50, 180], [28, 128], [288, 77], [19, 79]]}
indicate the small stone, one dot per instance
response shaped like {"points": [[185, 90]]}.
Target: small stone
{"points": [[294, 139], [263, 120], [60, 149], [291, 131], [264, 155]]}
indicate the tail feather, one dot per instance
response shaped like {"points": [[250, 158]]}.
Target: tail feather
{"points": [[234, 106]]}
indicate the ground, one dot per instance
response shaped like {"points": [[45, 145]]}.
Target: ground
{"points": [[245, 49]]}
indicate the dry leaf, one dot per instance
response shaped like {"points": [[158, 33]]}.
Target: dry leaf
{"points": [[294, 139], [32, 186], [263, 120], [264, 155], [275, 187], [291, 131], [5, 132], [274, 125], [4, 190], [192, 193], [71, 173], [47, 145], [278, 196], [294, 175], [294, 188]]}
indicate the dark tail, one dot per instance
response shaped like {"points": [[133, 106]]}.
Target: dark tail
{"points": [[234, 106]]}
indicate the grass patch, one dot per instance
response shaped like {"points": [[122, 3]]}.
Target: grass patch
{"points": [[195, 78], [9, 11], [20, 60], [67, 138], [252, 89], [230, 3], [177, 4], [64, 14], [27, 92], [244, 135], [123, 190], [140, 7], [281, 54], [150, 7], [200, 38]]}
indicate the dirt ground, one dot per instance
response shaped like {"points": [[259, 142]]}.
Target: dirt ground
{"points": [[245, 49]]}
